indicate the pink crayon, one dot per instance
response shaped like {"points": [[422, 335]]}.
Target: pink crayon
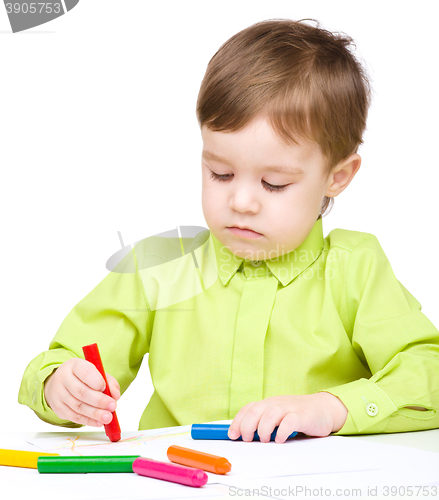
{"points": [[169, 472]]}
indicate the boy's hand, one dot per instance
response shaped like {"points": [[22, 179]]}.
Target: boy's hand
{"points": [[74, 392], [313, 414]]}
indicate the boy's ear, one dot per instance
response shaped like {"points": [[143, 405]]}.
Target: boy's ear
{"points": [[341, 176]]}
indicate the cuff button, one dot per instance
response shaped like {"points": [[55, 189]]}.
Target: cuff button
{"points": [[371, 409]]}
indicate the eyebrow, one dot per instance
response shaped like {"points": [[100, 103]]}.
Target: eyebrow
{"points": [[287, 169]]}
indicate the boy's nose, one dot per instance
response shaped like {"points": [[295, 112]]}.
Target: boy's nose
{"points": [[243, 200]]}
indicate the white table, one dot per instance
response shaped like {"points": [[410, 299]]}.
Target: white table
{"points": [[23, 483]]}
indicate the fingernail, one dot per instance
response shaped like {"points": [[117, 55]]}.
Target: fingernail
{"points": [[111, 406], [233, 434]]}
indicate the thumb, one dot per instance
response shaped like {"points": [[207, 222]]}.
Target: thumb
{"points": [[114, 386]]}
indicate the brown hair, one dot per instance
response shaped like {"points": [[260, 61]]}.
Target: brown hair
{"points": [[303, 78]]}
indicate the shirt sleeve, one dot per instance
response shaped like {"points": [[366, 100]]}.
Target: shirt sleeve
{"points": [[398, 344], [116, 316]]}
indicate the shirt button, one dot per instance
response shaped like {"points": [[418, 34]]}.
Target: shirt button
{"points": [[246, 272], [371, 409], [255, 263]]}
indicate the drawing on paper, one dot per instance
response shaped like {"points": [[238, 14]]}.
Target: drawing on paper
{"points": [[80, 445]]}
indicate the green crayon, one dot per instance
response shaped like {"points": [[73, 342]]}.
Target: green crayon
{"points": [[84, 465]]}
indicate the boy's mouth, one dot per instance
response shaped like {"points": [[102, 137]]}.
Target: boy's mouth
{"points": [[244, 232]]}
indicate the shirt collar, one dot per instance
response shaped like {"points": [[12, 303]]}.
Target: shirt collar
{"points": [[285, 267]]}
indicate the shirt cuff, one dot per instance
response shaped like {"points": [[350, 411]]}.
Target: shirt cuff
{"points": [[369, 407]]}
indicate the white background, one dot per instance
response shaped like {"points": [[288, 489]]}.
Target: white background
{"points": [[98, 134]]}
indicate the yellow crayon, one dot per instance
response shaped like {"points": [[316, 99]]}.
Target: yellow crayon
{"points": [[20, 458]]}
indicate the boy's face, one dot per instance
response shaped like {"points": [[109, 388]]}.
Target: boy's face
{"points": [[283, 218]]}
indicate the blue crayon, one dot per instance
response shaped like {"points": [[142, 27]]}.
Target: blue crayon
{"points": [[219, 431]]}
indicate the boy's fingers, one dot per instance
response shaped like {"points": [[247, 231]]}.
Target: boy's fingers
{"points": [[80, 407], [271, 417], [63, 408], [114, 391], [288, 425], [114, 386], [89, 374], [83, 393], [74, 398], [250, 421], [112, 380], [66, 413], [235, 427]]}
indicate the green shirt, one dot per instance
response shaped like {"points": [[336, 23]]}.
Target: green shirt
{"points": [[222, 331]]}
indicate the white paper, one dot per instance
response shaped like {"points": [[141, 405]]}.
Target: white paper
{"points": [[131, 443], [302, 462]]}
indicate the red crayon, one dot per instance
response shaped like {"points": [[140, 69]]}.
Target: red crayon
{"points": [[91, 353]]}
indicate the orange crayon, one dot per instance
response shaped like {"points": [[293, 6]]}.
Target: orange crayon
{"points": [[198, 459]]}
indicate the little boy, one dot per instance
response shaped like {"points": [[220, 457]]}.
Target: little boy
{"points": [[262, 320]]}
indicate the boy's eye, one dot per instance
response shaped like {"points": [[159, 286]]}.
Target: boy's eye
{"points": [[225, 177]]}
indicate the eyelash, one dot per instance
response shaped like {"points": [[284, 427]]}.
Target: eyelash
{"points": [[271, 187]]}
